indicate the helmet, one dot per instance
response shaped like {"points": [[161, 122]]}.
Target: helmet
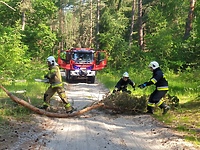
{"points": [[52, 60], [154, 65], [125, 74]]}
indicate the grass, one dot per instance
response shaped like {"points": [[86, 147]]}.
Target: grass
{"points": [[34, 92], [186, 117]]}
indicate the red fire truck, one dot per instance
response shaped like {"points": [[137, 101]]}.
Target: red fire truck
{"points": [[81, 63]]}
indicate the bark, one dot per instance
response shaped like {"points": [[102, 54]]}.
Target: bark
{"points": [[46, 113], [188, 26], [23, 21], [61, 26], [132, 25], [119, 5], [97, 26], [141, 36], [91, 25]]}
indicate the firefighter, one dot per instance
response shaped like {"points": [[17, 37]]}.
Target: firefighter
{"points": [[161, 84], [56, 85], [123, 83]]}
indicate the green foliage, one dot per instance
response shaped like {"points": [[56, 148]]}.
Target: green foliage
{"points": [[112, 30], [40, 40], [13, 60], [183, 116]]}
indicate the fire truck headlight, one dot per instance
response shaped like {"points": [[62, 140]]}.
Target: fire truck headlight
{"points": [[90, 67], [76, 67]]}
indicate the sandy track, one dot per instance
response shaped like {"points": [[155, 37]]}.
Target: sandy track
{"points": [[97, 130]]}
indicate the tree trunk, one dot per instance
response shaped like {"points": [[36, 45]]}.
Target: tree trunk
{"points": [[132, 25], [141, 36], [119, 5], [46, 113], [61, 24], [188, 26], [97, 25], [23, 21], [91, 24]]}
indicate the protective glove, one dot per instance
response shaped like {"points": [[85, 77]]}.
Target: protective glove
{"points": [[115, 90], [142, 85], [46, 76]]}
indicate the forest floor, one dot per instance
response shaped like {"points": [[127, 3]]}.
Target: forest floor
{"points": [[94, 130]]}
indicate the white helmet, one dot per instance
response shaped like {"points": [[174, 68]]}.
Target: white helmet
{"points": [[52, 60], [126, 75], [154, 65]]}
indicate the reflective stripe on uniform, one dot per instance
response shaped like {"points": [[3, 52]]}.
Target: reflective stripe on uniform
{"points": [[67, 105], [159, 103], [151, 104], [46, 104], [53, 70], [153, 80], [59, 74], [163, 88], [57, 85]]}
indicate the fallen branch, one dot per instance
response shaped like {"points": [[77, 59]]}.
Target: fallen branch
{"points": [[46, 113]]}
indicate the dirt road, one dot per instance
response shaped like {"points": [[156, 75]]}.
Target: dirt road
{"points": [[97, 130]]}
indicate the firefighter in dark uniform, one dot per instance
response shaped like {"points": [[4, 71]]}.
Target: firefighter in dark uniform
{"points": [[161, 84], [56, 85], [123, 83]]}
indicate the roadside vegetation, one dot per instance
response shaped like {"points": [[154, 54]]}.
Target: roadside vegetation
{"points": [[185, 85], [133, 33], [184, 118]]}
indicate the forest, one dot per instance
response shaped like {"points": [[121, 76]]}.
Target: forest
{"points": [[132, 32]]}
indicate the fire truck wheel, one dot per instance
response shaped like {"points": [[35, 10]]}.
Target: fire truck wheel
{"points": [[92, 79], [68, 78]]}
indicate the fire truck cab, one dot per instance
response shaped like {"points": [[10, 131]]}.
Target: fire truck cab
{"points": [[81, 63]]}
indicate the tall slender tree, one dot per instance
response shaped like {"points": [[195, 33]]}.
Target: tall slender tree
{"points": [[140, 22], [132, 24], [188, 26], [97, 24]]}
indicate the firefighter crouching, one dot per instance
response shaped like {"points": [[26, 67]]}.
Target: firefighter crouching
{"points": [[123, 83], [161, 84], [56, 85]]}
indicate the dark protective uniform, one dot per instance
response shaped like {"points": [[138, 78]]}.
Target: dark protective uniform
{"points": [[122, 85], [56, 85], [161, 84]]}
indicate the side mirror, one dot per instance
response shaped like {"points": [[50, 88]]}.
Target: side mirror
{"points": [[98, 58], [68, 57]]}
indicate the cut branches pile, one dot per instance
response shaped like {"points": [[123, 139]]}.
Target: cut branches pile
{"points": [[125, 103]]}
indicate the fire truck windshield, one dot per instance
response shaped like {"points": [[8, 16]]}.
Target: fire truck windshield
{"points": [[83, 57]]}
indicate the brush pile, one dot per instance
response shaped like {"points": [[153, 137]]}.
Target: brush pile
{"points": [[125, 103]]}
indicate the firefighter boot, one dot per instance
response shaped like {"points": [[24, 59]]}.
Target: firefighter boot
{"points": [[149, 110], [68, 108], [165, 108]]}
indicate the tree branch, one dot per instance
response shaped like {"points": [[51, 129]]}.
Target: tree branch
{"points": [[46, 113], [7, 5]]}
